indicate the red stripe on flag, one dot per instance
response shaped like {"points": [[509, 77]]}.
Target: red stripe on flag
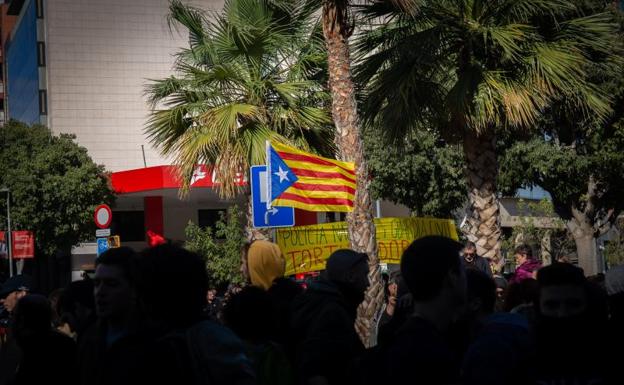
{"points": [[311, 159], [316, 201], [321, 174], [323, 187]]}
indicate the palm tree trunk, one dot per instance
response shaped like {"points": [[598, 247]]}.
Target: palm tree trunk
{"points": [[483, 220], [360, 223]]}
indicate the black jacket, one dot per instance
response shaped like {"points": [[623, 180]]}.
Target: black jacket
{"points": [[120, 363], [479, 263], [420, 354], [48, 358], [326, 342]]}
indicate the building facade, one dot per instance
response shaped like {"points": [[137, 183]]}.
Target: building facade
{"points": [[81, 67]]}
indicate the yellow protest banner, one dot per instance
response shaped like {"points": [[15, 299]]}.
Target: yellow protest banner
{"points": [[306, 248]]}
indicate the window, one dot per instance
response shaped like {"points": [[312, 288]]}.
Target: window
{"points": [[208, 218], [43, 102], [335, 217], [41, 59], [39, 9], [129, 225]]}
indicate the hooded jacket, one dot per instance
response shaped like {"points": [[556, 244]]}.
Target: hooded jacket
{"points": [[525, 271], [265, 263], [502, 352], [325, 339]]}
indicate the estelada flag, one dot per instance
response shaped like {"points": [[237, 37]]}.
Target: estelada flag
{"points": [[309, 182]]}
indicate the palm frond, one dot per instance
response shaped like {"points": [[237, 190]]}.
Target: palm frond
{"points": [[254, 71], [477, 64]]}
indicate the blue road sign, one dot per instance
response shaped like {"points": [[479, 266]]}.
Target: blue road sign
{"points": [[102, 245], [263, 216]]}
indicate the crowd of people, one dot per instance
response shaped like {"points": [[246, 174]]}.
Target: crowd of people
{"points": [[152, 318]]}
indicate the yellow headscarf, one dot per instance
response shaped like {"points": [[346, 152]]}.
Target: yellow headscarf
{"points": [[265, 262]]}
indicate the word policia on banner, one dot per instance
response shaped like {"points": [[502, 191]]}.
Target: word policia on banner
{"points": [[306, 248]]}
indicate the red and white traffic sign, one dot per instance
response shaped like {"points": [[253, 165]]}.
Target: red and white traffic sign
{"points": [[103, 216]]}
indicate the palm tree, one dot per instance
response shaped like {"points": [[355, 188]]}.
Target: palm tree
{"points": [[471, 68], [337, 28], [253, 72]]}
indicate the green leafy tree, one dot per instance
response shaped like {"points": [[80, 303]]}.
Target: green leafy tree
{"points": [[253, 72], [55, 186], [220, 247], [474, 68], [584, 178], [577, 158], [540, 227], [425, 174]]}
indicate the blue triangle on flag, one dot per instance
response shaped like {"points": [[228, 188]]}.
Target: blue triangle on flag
{"points": [[281, 176]]}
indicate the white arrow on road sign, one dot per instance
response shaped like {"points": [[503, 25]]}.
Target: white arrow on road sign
{"points": [[267, 215]]}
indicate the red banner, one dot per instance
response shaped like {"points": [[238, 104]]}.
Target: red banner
{"points": [[3, 245], [22, 244]]}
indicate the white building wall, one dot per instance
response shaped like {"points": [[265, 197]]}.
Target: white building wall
{"points": [[100, 55]]}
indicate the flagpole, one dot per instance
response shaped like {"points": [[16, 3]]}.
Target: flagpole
{"points": [[268, 173]]}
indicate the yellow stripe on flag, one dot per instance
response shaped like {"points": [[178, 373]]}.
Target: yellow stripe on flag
{"points": [[320, 168], [320, 194], [284, 148], [326, 182], [312, 207]]}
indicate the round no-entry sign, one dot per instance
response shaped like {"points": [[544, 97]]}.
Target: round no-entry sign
{"points": [[103, 216]]}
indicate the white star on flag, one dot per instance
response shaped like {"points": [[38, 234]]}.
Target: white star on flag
{"points": [[282, 174]]}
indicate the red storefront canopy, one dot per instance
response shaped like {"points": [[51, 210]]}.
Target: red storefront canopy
{"points": [[162, 177]]}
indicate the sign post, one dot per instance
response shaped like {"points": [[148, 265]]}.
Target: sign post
{"points": [[265, 215]]}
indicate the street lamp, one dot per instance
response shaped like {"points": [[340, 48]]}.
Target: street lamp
{"points": [[8, 237]]}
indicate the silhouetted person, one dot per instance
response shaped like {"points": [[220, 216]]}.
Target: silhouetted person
{"points": [[111, 350], [77, 309], [402, 310], [263, 266], [213, 305], [472, 260], [186, 349], [323, 320], [501, 291], [48, 356], [420, 352], [13, 290], [500, 351], [614, 283], [521, 298], [526, 265], [283, 293], [262, 263], [54, 298], [251, 314], [571, 329]]}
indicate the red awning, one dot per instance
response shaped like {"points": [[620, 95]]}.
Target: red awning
{"points": [[161, 177]]}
